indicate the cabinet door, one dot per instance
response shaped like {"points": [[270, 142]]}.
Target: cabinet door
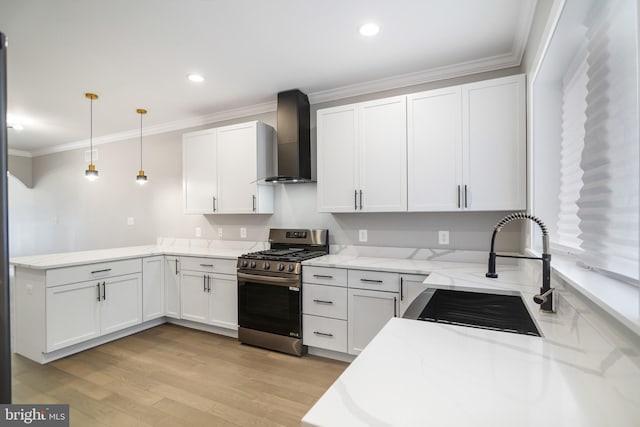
{"points": [[172, 286], [237, 168], [382, 140], [410, 287], [369, 311], [434, 144], [152, 288], [223, 301], [495, 144], [199, 171], [337, 159], [194, 298], [121, 304], [73, 314]]}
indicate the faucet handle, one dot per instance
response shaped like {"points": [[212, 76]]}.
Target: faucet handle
{"points": [[542, 298]]}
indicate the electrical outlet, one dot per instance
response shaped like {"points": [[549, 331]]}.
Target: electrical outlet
{"points": [[243, 232], [362, 235], [130, 221], [198, 232], [54, 220], [220, 232], [443, 237]]}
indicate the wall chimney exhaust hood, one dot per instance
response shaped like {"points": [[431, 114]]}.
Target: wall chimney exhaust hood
{"points": [[294, 138]]}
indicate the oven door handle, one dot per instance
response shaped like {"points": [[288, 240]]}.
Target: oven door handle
{"points": [[269, 280]]}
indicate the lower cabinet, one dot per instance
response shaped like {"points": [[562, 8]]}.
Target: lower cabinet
{"points": [[172, 286], [369, 311], [81, 311], [209, 298], [153, 290]]}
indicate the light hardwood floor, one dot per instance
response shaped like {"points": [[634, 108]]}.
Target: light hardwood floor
{"points": [[175, 376]]}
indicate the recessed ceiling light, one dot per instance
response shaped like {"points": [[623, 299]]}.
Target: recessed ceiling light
{"points": [[196, 78], [369, 29]]}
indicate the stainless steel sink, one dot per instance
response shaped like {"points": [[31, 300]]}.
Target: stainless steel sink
{"points": [[496, 311]]}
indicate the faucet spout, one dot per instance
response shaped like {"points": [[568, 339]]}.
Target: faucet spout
{"points": [[545, 298]]}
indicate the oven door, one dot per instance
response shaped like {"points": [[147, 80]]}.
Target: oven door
{"points": [[270, 304]]}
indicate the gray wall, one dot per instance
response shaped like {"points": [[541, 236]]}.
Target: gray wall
{"points": [[22, 168], [65, 212]]}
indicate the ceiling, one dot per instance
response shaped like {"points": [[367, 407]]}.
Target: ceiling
{"points": [[136, 54]]}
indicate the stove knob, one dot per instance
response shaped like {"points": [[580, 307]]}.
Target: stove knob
{"points": [[245, 263], [253, 264], [267, 265], [280, 267], [291, 267]]}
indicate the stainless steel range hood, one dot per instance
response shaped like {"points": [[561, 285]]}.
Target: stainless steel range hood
{"points": [[294, 138]]}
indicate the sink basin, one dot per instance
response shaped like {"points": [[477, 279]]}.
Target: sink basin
{"points": [[499, 312]]}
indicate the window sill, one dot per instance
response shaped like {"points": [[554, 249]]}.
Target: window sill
{"points": [[619, 299]]}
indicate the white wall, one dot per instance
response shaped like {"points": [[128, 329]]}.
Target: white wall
{"points": [[65, 212]]}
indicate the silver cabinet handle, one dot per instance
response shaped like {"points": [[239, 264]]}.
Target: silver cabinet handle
{"points": [[459, 194], [319, 301], [254, 202], [204, 283], [176, 266], [401, 286], [104, 291], [395, 307], [371, 281], [323, 334], [209, 284], [355, 200], [98, 286], [206, 265], [360, 199], [322, 276], [214, 204], [101, 271]]}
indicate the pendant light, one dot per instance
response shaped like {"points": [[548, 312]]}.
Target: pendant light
{"points": [[141, 178], [91, 173]]}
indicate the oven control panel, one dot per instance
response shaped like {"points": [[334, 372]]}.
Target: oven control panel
{"points": [[283, 267]]}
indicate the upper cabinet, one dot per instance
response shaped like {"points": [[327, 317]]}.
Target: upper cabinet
{"points": [[456, 148], [467, 147], [223, 169], [362, 154]]}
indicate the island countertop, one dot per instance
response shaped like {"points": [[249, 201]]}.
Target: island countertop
{"points": [[416, 373]]}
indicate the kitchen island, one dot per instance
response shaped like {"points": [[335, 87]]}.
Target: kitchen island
{"points": [[416, 373]]}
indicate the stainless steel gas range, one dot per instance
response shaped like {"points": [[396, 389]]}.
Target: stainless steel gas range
{"points": [[270, 289]]}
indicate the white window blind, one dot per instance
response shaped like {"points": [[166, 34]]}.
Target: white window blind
{"points": [[599, 209]]}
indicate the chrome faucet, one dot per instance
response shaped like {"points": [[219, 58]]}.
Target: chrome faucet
{"points": [[545, 297]]}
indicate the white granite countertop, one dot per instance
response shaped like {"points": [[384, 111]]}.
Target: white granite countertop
{"points": [[417, 373], [68, 259]]}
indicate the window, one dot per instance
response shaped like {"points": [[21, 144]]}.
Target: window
{"points": [[597, 209]]}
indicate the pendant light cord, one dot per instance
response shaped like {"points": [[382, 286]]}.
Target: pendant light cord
{"points": [[91, 130], [140, 141]]}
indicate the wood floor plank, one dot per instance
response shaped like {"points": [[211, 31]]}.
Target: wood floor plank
{"points": [[170, 376]]}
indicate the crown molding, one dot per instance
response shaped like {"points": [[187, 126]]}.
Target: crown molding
{"points": [[191, 122], [19, 153]]}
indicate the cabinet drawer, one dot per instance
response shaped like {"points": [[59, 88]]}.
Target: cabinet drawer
{"points": [[375, 280], [327, 301], [209, 265], [83, 273], [324, 276], [330, 334]]}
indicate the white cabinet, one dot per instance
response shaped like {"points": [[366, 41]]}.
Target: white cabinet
{"points": [[73, 314], [172, 286], [369, 311], [199, 171], [362, 157], [153, 288], [410, 287], [206, 296], [494, 135], [434, 136], [81, 311], [466, 147], [222, 169]]}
